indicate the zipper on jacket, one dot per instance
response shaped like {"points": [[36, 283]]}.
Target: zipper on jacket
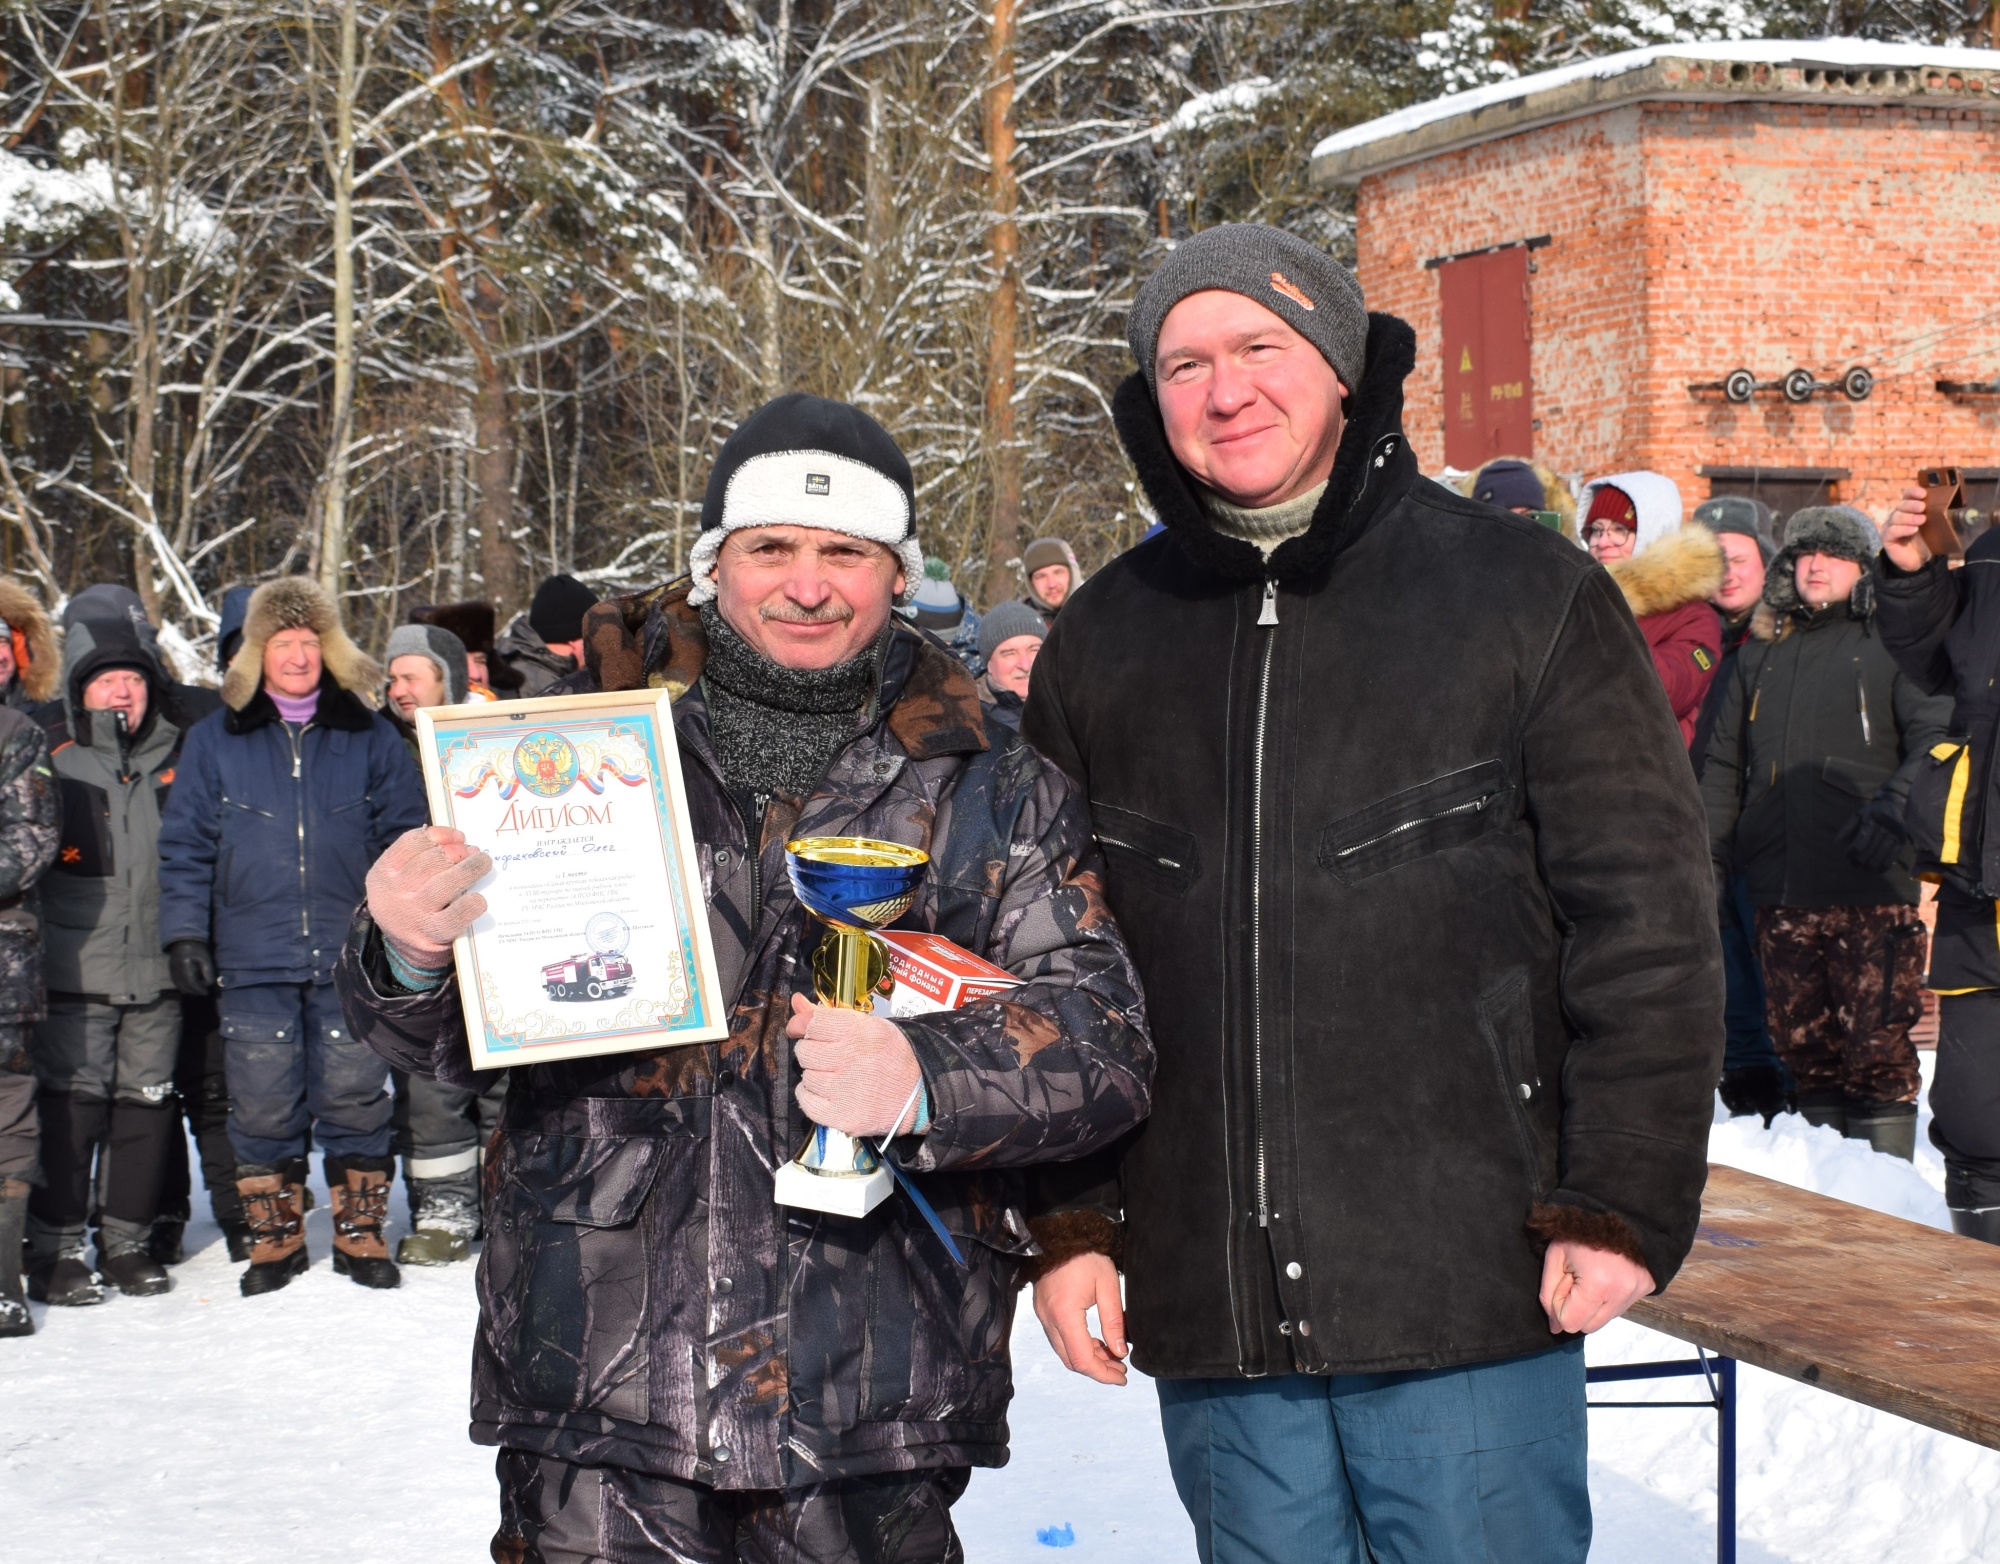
{"points": [[1268, 614], [1257, 913], [298, 740], [1470, 806], [1112, 841], [1861, 695]]}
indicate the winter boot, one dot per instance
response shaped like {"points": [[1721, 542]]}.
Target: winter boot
{"points": [[1889, 1127], [445, 1215], [275, 1210], [15, 1320], [168, 1243], [57, 1273], [359, 1187], [1758, 1089], [1825, 1105], [134, 1272], [1982, 1223]]}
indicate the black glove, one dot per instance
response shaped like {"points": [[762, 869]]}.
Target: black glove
{"points": [[1876, 836], [192, 965]]}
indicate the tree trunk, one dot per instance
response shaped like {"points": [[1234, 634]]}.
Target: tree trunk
{"points": [[333, 515], [493, 461], [770, 358], [1003, 309]]}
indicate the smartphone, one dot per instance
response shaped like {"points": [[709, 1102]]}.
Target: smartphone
{"points": [[1552, 519], [1944, 492]]}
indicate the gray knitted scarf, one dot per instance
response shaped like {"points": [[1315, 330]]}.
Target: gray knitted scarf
{"points": [[777, 729]]}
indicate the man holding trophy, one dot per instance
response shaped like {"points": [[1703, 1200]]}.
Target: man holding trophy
{"points": [[673, 1364]]}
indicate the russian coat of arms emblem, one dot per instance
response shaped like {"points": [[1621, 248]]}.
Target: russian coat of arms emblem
{"points": [[546, 764]]}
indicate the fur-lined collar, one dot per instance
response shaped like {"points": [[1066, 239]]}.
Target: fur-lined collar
{"points": [[1682, 567], [338, 708], [653, 639], [36, 664], [1371, 448]]}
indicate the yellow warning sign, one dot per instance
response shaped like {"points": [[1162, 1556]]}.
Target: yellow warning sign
{"points": [[1465, 361]]}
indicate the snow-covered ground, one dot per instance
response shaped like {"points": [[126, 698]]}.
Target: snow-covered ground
{"points": [[328, 1424]]}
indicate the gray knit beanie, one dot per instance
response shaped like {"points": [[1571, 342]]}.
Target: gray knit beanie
{"points": [[1292, 278], [440, 646], [1005, 621]]}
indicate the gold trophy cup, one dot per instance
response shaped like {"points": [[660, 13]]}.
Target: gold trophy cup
{"points": [[854, 885]]}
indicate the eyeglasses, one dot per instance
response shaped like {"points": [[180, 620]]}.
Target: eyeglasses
{"points": [[1608, 531]]}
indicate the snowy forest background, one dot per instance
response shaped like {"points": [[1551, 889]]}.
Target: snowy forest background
{"points": [[432, 299]]}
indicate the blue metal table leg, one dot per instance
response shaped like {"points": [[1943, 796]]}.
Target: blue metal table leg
{"points": [[1725, 1462]]}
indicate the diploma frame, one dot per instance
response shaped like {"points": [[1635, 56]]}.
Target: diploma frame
{"points": [[537, 783]]}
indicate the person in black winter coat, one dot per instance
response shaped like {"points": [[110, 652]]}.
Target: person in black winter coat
{"points": [[1413, 870], [282, 802], [1816, 743], [1943, 625]]}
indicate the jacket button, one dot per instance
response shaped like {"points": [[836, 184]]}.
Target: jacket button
{"points": [[722, 1455], [1295, 1270], [1305, 1327], [1284, 1327], [725, 1078], [722, 858], [1527, 1091], [725, 1285]]}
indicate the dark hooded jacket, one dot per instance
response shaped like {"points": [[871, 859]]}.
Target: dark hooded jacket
{"points": [[1420, 1002], [1816, 721], [101, 902], [643, 1303], [1943, 628]]}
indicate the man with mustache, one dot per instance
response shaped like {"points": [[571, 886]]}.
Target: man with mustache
{"points": [[673, 1366]]}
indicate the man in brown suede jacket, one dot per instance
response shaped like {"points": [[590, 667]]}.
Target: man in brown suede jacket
{"points": [[1415, 877]]}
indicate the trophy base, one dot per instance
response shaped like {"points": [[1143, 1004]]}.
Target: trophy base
{"points": [[835, 1194]]}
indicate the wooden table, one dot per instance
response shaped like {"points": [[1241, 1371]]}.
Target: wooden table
{"points": [[1885, 1312]]}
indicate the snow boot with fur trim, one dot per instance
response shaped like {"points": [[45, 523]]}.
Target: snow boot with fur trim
{"points": [[273, 1197], [15, 1320], [360, 1190], [1890, 1127]]}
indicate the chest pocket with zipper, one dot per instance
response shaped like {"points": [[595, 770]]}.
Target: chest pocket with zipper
{"points": [[1162, 858], [1447, 811]]}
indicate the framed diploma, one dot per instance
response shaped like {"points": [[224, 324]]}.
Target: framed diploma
{"points": [[595, 939]]}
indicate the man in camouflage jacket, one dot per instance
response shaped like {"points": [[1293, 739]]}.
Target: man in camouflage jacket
{"points": [[30, 823], [673, 1365]]}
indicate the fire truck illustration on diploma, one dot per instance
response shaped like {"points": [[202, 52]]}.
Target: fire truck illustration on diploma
{"points": [[604, 973]]}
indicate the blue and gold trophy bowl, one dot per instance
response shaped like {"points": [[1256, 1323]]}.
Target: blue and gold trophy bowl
{"points": [[854, 885]]}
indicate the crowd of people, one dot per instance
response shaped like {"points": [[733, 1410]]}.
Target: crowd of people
{"points": [[1371, 1003]]}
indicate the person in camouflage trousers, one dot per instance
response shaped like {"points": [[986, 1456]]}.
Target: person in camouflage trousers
{"points": [[673, 1366], [1843, 986], [1818, 736], [30, 825]]}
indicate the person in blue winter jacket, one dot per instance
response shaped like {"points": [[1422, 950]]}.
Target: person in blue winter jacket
{"points": [[282, 801]]}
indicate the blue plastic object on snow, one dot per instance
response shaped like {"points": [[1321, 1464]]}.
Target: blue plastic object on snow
{"points": [[1062, 1536]]}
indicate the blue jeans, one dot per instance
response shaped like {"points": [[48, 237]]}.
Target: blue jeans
{"points": [[1748, 1038], [1484, 1463], [292, 1063]]}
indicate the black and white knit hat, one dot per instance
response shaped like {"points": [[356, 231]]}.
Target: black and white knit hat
{"points": [[804, 461]]}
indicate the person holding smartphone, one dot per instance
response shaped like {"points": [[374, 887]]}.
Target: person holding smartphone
{"points": [[1943, 627]]}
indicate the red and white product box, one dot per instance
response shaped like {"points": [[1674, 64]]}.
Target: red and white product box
{"points": [[934, 974]]}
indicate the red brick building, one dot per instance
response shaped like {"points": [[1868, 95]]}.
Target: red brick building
{"points": [[1588, 254]]}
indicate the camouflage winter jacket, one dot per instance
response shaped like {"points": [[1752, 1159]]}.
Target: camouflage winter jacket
{"points": [[30, 824], [644, 1303]]}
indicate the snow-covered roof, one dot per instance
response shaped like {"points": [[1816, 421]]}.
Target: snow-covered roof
{"points": [[1751, 68]]}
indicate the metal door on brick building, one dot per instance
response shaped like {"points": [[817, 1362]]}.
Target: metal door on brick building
{"points": [[1488, 394]]}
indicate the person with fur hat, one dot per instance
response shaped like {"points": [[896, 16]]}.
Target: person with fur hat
{"points": [[1632, 527], [472, 623], [30, 668], [754, 1382], [544, 645], [107, 1050], [1053, 574], [1009, 638], [282, 801], [1438, 1030], [1941, 621], [1816, 744], [1753, 1077]]}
